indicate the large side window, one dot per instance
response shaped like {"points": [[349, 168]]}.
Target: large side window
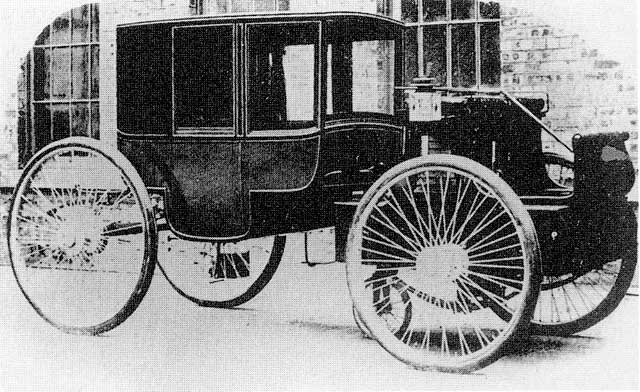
{"points": [[361, 70], [203, 78], [281, 77]]}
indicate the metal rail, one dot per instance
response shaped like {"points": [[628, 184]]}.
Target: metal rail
{"points": [[536, 119], [510, 97]]}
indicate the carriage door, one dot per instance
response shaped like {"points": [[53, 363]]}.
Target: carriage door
{"points": [[282, 98], [362, 139], [206, 147]]}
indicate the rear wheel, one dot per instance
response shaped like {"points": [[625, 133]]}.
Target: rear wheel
{"points": [[221, 275], [453, 238], [82, 236], [573, 302]]}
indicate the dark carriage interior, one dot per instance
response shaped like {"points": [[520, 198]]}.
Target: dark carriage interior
{"points": [[247, 142]]}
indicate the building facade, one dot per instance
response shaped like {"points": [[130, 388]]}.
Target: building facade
{"points": [[68, 80]]}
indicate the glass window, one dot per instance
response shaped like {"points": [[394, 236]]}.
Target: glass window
{"points": [[80, 72], [463, 57], [241, 6], [42, 125], [95, 22], [60, 64], [281, 76], [213, 7], [264, 5], [203, 77], [384, 7], [95, 120], [409, 10], [80, 119], [452, 31], [60, 120], [80, 24], [95, 72], [410, 54], [463, 9], [283, 5], [43, 38], [373, 76], [489, 10], [435, 54], [434, 10], [490, 54], [42, 58], [361, 71], [60, 32]]}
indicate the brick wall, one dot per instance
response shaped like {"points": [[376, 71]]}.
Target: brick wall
{"points": [[588, 92]]}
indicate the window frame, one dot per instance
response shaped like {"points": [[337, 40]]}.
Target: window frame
{"points": [[267, 133], [397, 62], [477, 21], [207, 131], [92, 100]]}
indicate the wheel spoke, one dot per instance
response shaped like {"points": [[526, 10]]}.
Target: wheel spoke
{"points": [[395, 206], [70, 272], [483, 244], [421, 222], [394, 228], [468, 268], [389, 245], [452, 225], [475, 257], [492, 296]]}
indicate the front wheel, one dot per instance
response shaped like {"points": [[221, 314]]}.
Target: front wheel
{"points": [[454, 238], [82, 236]]}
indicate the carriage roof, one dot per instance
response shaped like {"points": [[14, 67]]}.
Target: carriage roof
{"points": [[276, 17]]}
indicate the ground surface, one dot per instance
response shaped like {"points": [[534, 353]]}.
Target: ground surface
{"points": [[298, 334]]}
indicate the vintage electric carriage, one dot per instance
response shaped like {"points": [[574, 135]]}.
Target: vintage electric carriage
{"points": [[236, 130]]}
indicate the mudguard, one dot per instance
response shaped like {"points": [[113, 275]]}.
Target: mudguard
{"points": [[603, 167]]}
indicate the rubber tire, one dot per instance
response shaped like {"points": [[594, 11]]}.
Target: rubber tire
{"points": [[151, 246], [519, 331]]}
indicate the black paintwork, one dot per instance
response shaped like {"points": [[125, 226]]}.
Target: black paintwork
{"points": [[246, 184], [241, 184]]}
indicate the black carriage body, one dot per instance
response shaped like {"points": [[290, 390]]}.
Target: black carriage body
{"points": [[293, 150], [262, 168]]}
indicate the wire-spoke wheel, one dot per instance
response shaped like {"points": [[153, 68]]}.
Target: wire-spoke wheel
{"points": [[398, 306], [454, 242], [221, 275], [571, 303], [82, 236]]}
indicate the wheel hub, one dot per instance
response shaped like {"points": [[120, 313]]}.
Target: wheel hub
{"points": [[438, 267], [80, 232]]}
